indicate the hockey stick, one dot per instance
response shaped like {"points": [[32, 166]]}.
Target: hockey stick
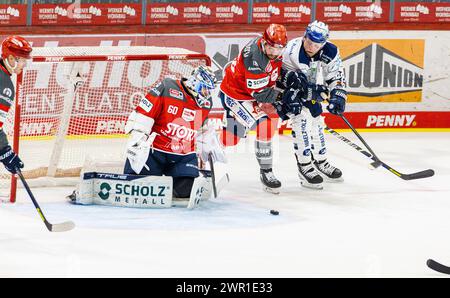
{"points": [[61, 227], [213, 174], [417, 175], [377, 162], [222, 183], [438, 266]]}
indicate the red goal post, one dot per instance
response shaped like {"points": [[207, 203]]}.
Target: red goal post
{"points": [[62, 127]]}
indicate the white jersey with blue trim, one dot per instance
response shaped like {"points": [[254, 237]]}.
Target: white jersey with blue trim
{"points": [[326, 63]]}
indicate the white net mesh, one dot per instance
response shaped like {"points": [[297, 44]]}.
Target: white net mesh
{"points": [[60, 130]]}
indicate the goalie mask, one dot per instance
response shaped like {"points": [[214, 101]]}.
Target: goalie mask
{"points": [[201, 83]]}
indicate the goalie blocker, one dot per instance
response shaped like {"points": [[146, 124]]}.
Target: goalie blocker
{"points": [[122, 190]]}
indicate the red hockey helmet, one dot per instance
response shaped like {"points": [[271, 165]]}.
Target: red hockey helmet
{"points": [[17, 46], [276, 35]]}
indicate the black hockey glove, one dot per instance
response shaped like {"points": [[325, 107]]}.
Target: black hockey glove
{"points": [[292, 101], [10, 159], [295, 79], [337, 100], [314, 92]]}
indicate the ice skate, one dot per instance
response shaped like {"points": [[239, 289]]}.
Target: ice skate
{"points": [[309, 177], [270, 183], [328, 172]]}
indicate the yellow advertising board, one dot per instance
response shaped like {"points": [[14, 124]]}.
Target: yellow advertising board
{"points": [[383, 70]]}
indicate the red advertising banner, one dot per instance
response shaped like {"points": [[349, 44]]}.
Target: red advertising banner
{"points": [[197, 13], [349, 12], [422, 12], [87, 14], [387, 120], [13, 15], [281, 12]]}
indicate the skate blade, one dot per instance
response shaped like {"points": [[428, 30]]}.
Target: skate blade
{"points": [[275, 191], [311, 186], [331, 180]]}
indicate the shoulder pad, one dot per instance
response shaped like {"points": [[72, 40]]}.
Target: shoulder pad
{"points": [[172, 89], [7, 92], [329, 52], [253, 58]]}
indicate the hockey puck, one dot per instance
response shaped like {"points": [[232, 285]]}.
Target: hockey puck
{"points": [[274, 212]]}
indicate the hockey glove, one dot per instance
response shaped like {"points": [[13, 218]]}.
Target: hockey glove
{"points": [[295, 79], [138, 148], [10, 159], [314, 92], [209, 143], [292, 101], [337, 100]]}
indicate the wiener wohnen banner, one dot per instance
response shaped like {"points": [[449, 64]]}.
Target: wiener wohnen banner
{"points": [[349, 12], [87, 14], [281, 12], [197, 13], [422, 12], [13, 15]]}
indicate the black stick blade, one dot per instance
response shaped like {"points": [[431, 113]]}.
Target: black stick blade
{"points": [[438, 266], [418, 175]]}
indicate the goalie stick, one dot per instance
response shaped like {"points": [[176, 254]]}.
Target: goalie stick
{"points": [[61, 227], [213, 174], [438, 266], [412, 176], [218, 186]]}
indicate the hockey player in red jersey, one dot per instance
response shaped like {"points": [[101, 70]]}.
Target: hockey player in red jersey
{"points": [[247, 93], [15, 52], [164, 127]]}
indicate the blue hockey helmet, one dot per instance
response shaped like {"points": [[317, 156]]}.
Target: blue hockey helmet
{"points": [[201, 82], [317, 32]]}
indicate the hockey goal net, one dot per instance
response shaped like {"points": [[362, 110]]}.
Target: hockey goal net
{"points": [[72, 104]]}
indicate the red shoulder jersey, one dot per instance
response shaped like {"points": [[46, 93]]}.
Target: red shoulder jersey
{"points": [[252, 71], [177, 117]]}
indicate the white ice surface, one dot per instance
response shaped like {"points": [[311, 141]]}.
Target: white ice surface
{"points": [[372, 224]]}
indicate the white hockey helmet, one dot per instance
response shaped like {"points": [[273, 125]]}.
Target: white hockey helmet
{"points": [[201, 83], [317, 32]]}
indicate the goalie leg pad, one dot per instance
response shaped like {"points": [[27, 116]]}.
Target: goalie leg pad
{"points": [[123, 190], [201, 191]]}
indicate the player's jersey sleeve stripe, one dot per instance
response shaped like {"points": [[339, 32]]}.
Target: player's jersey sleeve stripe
{"points": [[4, 107]]}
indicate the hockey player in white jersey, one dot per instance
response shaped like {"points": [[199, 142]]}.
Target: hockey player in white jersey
{"points": [[315, 59]]}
